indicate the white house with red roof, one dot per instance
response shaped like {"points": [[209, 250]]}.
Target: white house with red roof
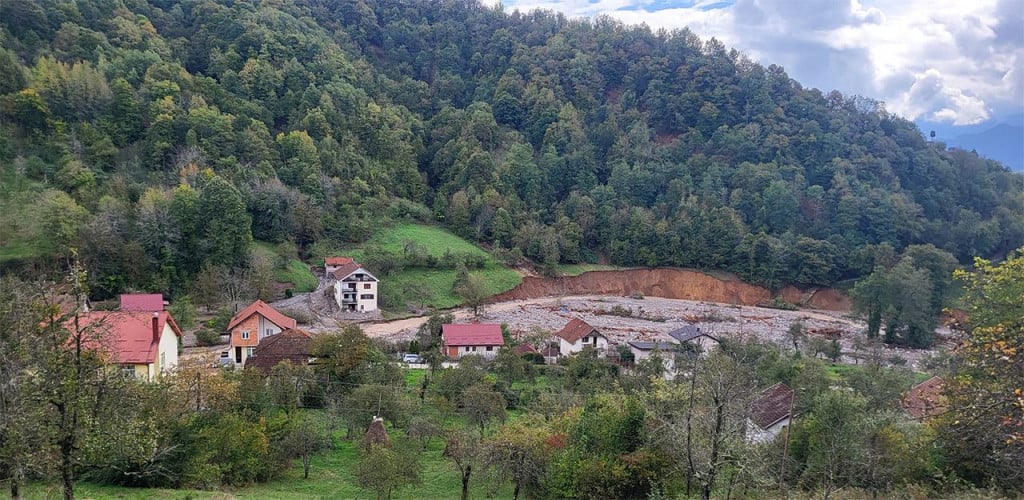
{"points": [[252, 324], [482, 339], [355, 289], [770, 413], [577, 334], [143, 343]]}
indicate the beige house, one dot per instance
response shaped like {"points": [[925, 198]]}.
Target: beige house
{"points": [[644, 350], [355, 289], [577, 334], [143, 344]]}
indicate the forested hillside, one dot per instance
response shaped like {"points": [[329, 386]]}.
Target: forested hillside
{"points": [[158, 137]]}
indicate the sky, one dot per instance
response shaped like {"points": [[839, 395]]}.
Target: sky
{"points": [[950, 62]]}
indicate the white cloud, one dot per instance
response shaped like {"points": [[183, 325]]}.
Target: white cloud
{"points": [[948, 60]]}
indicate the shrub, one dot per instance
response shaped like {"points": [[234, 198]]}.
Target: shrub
{"points": [[300, 316], [207, 337], [183, 311], [534, 357], [219, 321], [288, 293]]}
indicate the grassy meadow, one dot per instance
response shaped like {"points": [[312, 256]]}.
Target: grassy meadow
{"points": [[431, 287]]}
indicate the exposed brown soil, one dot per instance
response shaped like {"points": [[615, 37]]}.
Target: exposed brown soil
{"points": [[669, 284]]}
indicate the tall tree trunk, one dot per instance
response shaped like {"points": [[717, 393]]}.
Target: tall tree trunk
{"points": [[465, 481]]}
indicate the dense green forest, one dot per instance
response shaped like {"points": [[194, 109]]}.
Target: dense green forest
{"points": [[157, 138]]}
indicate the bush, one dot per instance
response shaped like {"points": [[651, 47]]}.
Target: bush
{"points": [[219, 321], [207, 337], [288, 293], [778, 302], [534, 357], [300, 316], [183, 311]]}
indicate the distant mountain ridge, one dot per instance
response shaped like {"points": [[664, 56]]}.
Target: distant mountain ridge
{"points": [[1003, 143]]}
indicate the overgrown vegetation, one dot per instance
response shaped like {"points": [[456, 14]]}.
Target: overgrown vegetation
{"points": [[159, 141]]}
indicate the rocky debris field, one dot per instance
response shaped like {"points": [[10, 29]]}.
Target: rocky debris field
{"points": [[623, 319]]}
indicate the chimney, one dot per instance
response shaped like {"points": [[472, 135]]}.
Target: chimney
{"points": [[156, 327]]}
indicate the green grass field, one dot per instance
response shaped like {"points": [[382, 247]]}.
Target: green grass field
{"points": [[578, 269], [330, 476], [295, 271], [433, 287]]}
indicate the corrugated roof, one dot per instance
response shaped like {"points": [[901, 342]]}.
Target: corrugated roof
{"points": [[472, 334], [128, 335], [293, 345], [263, 309], [773, 405], [142, 302], [575, 330]]}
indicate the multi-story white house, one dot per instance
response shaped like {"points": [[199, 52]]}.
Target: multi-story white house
{"points": [[355, 288]]}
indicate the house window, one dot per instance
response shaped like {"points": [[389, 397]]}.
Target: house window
{"points": [[163, 360], [467, 348], [270, 331], [249, 351], [490, 348], [245, 334], [366, 286], [128, 371], [366, 296]]}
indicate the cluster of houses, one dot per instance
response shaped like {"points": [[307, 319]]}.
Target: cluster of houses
{"points": [[142, 340]]}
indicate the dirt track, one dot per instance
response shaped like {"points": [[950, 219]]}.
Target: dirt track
{"points": [[670, 284]]}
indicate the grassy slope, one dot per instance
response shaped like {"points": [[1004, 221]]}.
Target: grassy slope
{"points": [[437, 283], [295, 272], [578, 269]]}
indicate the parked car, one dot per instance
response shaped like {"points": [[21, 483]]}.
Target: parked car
{"points": [[412, 358]]}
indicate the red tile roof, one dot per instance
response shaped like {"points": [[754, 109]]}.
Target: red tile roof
{"points": [[263, 309], [773, 405], [337, 261], [128, 335], [924, 399], [525, 348], [291, 345], [575, 330], [142, 302], [472, 334]]}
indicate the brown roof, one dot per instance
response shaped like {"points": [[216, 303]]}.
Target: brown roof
{"points": [[773, 405], [924, 400], [263, 309], [472, 334], [337, 261], [575, 330], [291, 345], [525, 348], [346, 270]]}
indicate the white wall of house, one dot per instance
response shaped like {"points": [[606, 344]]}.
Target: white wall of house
{"points": [[757, 435], [668, 358], [167, 351], [596, 341], [360, 296], [488, 351], [267, 328]]}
